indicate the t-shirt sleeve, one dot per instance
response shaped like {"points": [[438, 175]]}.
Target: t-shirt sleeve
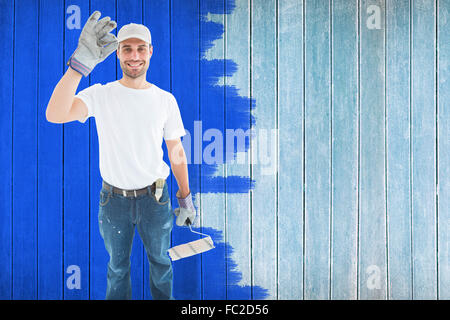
{"points": [[173, 128], [90, 98]]}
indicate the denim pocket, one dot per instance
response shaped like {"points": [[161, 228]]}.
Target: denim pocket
{"points": [[164, 198], [160, 202], [104, 198]]}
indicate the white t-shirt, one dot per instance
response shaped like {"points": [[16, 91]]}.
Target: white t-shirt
{"points": [[131, 124]]}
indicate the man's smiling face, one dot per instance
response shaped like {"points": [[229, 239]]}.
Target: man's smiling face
{"points": [[134, 56]]}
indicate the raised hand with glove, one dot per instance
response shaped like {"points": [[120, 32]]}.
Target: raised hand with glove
{"points": [[186, 212], [94, 45]]}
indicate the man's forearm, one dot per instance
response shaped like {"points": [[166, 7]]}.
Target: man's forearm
{"points": [[181, 175], [186, 212], [180, 171], [62, 96]]}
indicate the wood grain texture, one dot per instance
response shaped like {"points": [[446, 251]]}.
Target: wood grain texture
{"points": [[238, 214], [443, 150], [50, 273], [398, 142], [212, 114], [24, 151], [290, 151], [344, 176], [76, 191], [6, 156], [317, 150], [264, 163], [423, 153], [372, 196]]}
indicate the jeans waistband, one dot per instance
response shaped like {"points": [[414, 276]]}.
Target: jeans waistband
{"points": [[132, 192]]}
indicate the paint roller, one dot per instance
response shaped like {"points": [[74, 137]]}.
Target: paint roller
{"points": [[191, 248]]}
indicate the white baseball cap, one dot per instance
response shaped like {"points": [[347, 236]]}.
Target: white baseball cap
{"points": [[133, 30]]}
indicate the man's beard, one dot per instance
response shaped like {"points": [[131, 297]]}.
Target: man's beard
{"points": [[132, 74]]}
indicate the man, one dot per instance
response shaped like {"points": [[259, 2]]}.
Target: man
{"points": [[132, 117]]}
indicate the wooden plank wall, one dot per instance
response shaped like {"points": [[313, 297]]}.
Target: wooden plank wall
{"points": [[343, 185]]}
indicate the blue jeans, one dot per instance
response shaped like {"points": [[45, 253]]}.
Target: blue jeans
{"points": [[117, 217]]}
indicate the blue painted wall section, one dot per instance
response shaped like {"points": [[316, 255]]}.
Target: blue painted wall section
{"points": [[238, 114]]}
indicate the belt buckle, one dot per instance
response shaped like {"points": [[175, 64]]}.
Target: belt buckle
{"points": [[124, 192]]}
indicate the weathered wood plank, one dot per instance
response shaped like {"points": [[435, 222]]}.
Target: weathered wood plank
{"points": [[398, 142], [444, 150], [50, 275], [264, 156], [317, 150], [76, 177], [290, 172], [6, 159], [24, 150], [212, 115], [238, 223], [372, 197], [423, 121], [344, 237]]}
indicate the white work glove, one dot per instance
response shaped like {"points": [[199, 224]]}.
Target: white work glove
{"points": [[186, 212], [94, 45]]}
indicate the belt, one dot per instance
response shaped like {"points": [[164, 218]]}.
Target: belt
{"points": [[156, 187]]}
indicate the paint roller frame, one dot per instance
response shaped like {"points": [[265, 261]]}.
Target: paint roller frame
{"points": [[191, 248]]}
